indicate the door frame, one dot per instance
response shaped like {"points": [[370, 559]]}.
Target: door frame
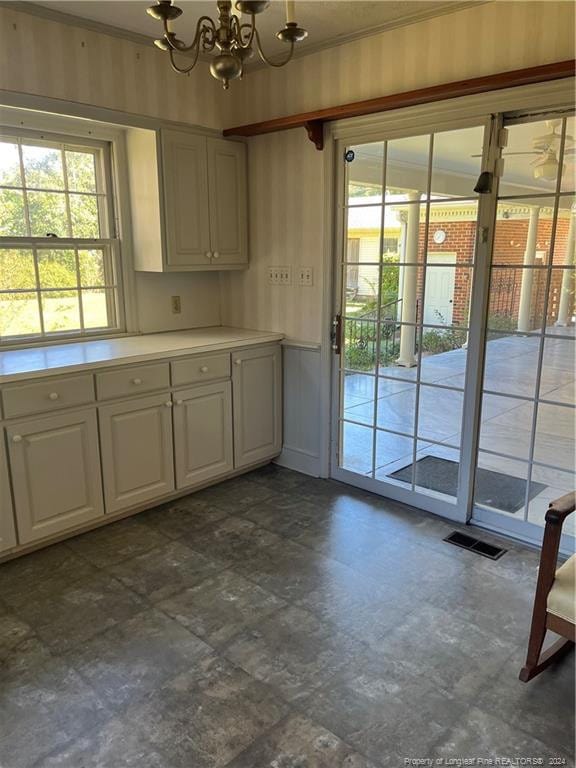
{"points": [[448, 114]]}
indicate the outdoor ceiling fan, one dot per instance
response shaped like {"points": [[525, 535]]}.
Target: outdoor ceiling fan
{"points": [[545, 165]]}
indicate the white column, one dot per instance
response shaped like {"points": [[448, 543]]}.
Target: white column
{"points": [[528, 274], [568, 274], [410, 284]]}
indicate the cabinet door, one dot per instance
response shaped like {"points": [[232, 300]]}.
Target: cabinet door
{"points": [[228, 202], [257, 390], [185, 178], [55, 473], [7, 529], [203, 433], [137, 457]]}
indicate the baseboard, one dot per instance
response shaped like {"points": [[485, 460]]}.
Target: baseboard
{"points": [[299, 461]]}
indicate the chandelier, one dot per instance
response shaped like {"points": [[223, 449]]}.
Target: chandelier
{"points": [[234, 39]]}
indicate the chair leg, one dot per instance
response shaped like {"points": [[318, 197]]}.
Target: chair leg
{"points": [[535, 643], [535, 664]]}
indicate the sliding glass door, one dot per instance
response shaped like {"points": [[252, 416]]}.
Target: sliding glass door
{"points": [[526, 442], [455, 419], [409, 217]]}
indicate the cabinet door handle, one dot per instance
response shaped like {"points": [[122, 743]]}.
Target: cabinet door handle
{"points": [[237, 362], [17, 439], [208, 254], [168, 403], [53, 396], [204, 369], [179, 402], [215, 255], [136, 381]]}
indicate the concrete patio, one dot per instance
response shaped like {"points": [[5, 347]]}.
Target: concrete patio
{"points": [[506, 420]]}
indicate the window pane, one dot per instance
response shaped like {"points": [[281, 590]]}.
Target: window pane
{"points": [[456, 162], [511, 364], [12, 217], [506, 426], [396, 410], [407, 167], [500, 484], [531, 158], [558, 369], [43, 167], [436, 471], [81, 171], [361, 291], [360, 339], [517, 297], [365, 174], [16, 270], [357, 447], [555, 430], [9, 164], [98, 308], [393, 453], [84, 213], [569, 161], [19, 314], [61, 311], [57, 269], [48, 214], [440, 415], [92, 268]]}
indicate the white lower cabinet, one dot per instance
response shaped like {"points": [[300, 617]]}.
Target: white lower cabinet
{"points": [[7, 529], [203, 433], [137, 453], [257, 387], [55, 473]]}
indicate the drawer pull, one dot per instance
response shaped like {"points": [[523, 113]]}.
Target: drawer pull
{"points": [[169, 404], [204, 369], [53, 396], [179, 402], [208, 255], [237, 362], [17, 439], [136, 381], [215, 255]]}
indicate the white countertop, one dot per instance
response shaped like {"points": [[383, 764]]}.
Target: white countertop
{"points": [[34, 362]]}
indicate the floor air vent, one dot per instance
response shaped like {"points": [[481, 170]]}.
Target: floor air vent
{"points": [[475, 545]]}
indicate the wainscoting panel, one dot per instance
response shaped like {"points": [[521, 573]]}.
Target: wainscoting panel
{"points": [[302, 423]]}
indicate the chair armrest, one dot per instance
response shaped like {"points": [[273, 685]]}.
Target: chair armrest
{"points": [[559, 509]]}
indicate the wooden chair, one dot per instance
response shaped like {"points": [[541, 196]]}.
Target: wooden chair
{"points": [[555, 600]]}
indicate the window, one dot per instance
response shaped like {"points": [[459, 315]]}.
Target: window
{"points": [[59, 257]]}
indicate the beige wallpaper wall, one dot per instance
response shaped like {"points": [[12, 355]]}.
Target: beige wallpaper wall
{"points": [[286, 228], [287, 181]]}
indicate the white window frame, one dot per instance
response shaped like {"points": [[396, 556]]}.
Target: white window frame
{"points": [[110, 140]]}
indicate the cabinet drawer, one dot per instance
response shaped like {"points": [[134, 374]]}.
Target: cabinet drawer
{"points": [[201, 368], [47, 395], [132, 381]]}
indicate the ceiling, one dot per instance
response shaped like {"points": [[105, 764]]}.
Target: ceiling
{"points": [[329, 22]]}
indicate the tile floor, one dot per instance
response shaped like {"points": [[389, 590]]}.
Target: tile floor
{"points": [[273, 621], [506, 422]]}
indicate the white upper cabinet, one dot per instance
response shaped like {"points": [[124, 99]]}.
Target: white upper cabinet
{"points": [[7, 530], [185, 174], [228, 204], [189, 201]]}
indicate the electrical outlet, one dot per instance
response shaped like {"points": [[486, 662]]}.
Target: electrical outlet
{"points": [[279, 275], [306, 276], [176, 305]]}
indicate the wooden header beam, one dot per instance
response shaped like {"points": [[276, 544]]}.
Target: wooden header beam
{"points": [[314, 121]]}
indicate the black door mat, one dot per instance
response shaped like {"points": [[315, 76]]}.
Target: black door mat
{"points": [[493, 489]]}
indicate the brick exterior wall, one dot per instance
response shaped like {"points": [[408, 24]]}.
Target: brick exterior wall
{"points": [[509, 246]]}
